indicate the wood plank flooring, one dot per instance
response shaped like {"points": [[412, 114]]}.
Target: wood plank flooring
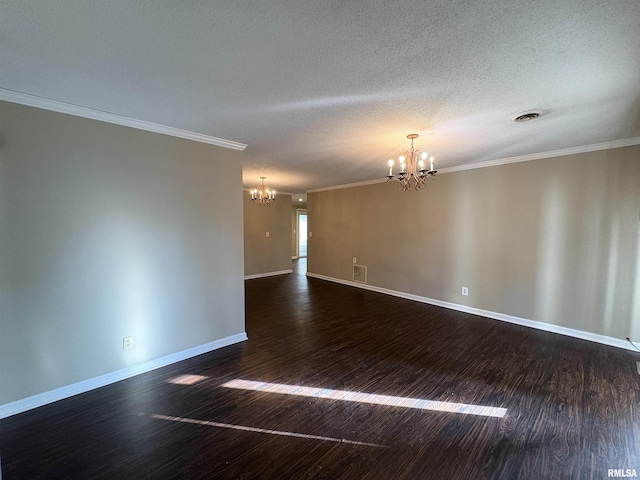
{"points": [[572, 406]]}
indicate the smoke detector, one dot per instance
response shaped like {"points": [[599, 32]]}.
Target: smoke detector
{"points": [[527, 116]]}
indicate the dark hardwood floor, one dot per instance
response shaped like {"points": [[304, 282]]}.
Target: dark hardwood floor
{"points": [[572, 407]]}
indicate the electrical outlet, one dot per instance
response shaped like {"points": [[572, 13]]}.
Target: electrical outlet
{"points": [[465, 291], [127, 343], [310, 234], [267, 234], [354, 259]]}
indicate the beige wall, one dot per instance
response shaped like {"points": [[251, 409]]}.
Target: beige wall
{"points": [[554, 240], [107, 232], [264, 254], [294, 227]]}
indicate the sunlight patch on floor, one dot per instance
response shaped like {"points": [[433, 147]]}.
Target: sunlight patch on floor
{"points": [[186, 379], [261, 430], [371, 398]]}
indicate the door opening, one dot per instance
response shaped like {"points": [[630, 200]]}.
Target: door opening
{"points": [[302, 233]]}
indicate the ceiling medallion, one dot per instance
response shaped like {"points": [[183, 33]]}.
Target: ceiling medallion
{"points": [[412, 168]]}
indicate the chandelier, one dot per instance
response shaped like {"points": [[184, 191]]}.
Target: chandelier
{"points": [[262, 195], [412, 168]]}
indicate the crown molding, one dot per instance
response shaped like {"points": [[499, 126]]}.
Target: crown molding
{"points": [[348, 185], [278, 192], [625, 142], [84, 112]]}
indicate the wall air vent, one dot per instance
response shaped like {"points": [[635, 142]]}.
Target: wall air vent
{"points": [[360, 273]]}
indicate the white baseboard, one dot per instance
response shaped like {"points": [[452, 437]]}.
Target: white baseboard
{"points": [[267, 274], [51, 396], [593, 337]]}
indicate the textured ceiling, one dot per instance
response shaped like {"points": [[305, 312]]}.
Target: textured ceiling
{"points": [[324, 92]]}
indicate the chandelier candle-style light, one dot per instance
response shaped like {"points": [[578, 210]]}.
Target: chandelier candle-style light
{"points": [[411, 167], [262, 195]]}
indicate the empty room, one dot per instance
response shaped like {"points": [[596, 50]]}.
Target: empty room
{"points": [[333, 240]]}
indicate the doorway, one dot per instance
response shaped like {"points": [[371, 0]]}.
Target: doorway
{"points": [[302, 233]]}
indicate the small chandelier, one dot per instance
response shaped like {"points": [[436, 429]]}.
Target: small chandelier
{"points": [[411, 167], [262, 195]]}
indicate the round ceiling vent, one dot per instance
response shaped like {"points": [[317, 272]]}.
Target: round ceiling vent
{"points": [[526, 116]]}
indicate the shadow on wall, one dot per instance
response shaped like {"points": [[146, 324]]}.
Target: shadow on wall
{"points": [[588, 252], [555, 241]]}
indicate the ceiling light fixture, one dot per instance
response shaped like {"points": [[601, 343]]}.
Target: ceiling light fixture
{"points": [[262, 195], [411, 167]]}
